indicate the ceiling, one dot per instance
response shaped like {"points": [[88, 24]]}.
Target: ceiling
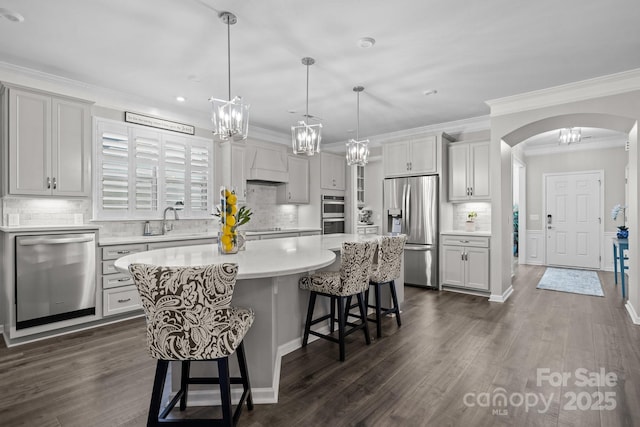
{"points": [[469, 52]]}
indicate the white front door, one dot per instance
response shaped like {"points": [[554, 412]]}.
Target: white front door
{"points": [[573, 219]]}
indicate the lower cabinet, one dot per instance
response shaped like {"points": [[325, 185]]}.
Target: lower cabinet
{"points": [[465, 261], [367, 229]]}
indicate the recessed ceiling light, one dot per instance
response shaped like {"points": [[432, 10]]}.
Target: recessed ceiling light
{"points": [[366, 42], [180, 98], [429, 92], [11, 15], [291, 111]]}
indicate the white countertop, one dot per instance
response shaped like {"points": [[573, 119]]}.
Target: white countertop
{"points": [[45, 228], [467, 233], [262, 258], [170, 237]]}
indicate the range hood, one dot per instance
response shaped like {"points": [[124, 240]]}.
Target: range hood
{"points": [[267, 165]]}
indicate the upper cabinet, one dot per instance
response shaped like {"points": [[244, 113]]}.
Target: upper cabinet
{"points": [[48, 138], [332, 171], [416, 156], [296, 191], [234, 168], [469, 171]]}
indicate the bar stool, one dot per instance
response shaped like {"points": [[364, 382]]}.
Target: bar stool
{"points": [[352, 279], [189, 318]]}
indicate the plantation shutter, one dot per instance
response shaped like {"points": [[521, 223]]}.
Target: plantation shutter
{"points": [[175, 165], [147, 164], [113, 169], [200, 179]]}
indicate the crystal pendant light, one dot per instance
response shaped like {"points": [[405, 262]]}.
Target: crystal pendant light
{"points": [[569, 135], [358, 151], [305, 137], [230, 118]]}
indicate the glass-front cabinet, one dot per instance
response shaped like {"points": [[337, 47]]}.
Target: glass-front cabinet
{"points": [[360, 185]]}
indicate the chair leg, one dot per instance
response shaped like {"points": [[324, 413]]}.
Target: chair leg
{"points": [[244, 373], [341, 326], [184, 383], [394, 298], [347, 309], [307, 326], [363, 314], [156, 393], [225, 391], [332, 316], [378, 311]]}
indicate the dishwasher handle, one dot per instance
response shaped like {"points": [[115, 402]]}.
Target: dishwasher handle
{"points": [[53, 241]]}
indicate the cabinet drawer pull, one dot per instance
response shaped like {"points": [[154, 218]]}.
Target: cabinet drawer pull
{"points": [[122, 252], [55, 183], [464, 241], [124, 279], [124, 300], [48, 182]]}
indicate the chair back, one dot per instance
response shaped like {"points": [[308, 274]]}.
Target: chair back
{"points": [[355, 267], [389, 258], [182, 306]]}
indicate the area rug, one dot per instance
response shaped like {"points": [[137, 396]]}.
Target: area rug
{"points": [[569, 280]]}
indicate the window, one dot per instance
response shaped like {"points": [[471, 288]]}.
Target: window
{"points": [[140, 172]]}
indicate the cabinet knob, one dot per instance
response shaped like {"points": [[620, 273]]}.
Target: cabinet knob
{"points": [[48, 182], [55, 183], [289, 195], [471, 191]]}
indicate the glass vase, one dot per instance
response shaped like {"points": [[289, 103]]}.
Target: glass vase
{"points": [[228, 236]]}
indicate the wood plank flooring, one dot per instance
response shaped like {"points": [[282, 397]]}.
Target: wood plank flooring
{"points": [[451, 349]]}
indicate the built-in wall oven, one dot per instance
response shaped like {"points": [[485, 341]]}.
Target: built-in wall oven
{"points": [[333, 214], [55, 278]]}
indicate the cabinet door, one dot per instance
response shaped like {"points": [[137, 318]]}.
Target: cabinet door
{"points": [[453, 265], [29, 143], [479, 170], [395, 157], [423, 155], [239, 172], [458, 166], [332, 172], [298, 186], [477, 268], [70, 148]]}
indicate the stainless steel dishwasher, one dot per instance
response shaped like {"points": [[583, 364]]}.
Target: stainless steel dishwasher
{"points": [[55, 278]]}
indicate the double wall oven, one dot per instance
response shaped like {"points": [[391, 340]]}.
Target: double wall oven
{"points": [[333, 214]]}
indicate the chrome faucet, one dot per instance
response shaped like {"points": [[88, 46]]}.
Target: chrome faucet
{"points": [[168, 227]]}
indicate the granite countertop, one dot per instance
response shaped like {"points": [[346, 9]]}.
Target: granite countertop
{"points": [[260, 259], [170, 237]]}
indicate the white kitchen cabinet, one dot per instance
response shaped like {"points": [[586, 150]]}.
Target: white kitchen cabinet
{"points": [[332, 171], [296, 191], [469, 171], [234, 168], [411, 157], [465, 262], [119, 294], [49, 143]]}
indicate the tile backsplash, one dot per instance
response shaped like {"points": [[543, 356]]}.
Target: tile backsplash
{"points": [[261, 199], [483, 220]]}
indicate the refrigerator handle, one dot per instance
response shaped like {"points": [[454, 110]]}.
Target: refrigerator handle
{"points": [[407, 214], [404, 208]]}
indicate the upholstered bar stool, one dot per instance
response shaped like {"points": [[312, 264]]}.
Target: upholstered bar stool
{"points": [[384, 272], [351, 280], [189, 318]]}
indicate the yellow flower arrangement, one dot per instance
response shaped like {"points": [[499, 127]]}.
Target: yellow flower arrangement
{"points": [[230, 219]]}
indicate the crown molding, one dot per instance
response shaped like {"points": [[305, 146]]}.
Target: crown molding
{"points": [[597, 87], [116, 100], [595, 144], [473, 124]]}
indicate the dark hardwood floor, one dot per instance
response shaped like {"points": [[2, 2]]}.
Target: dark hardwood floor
{"points": [[453, 351]]}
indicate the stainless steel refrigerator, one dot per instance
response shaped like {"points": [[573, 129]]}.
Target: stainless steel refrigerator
{"points": [[411, 207]]}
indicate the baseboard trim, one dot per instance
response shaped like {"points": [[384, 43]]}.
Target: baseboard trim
{"points": [[502, 298], [632, 313]]}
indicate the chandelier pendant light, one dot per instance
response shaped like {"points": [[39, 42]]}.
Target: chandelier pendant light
{"points": [[230, 117], [358, 150], [305, 137], [569, 135]]}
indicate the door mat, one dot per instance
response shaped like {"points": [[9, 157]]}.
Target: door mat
{"points": [[583, 282]]}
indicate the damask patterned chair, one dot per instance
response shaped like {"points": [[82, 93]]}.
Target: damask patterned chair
{"points": [[384, 272], [351, 280], [189, 318]]}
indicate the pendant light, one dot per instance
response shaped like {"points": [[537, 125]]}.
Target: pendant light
{"points": [[305, 137], [358, 151], [569, 135], [230, 117]]}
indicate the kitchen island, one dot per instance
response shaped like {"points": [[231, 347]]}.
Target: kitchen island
{"points": [[267, 282]]}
